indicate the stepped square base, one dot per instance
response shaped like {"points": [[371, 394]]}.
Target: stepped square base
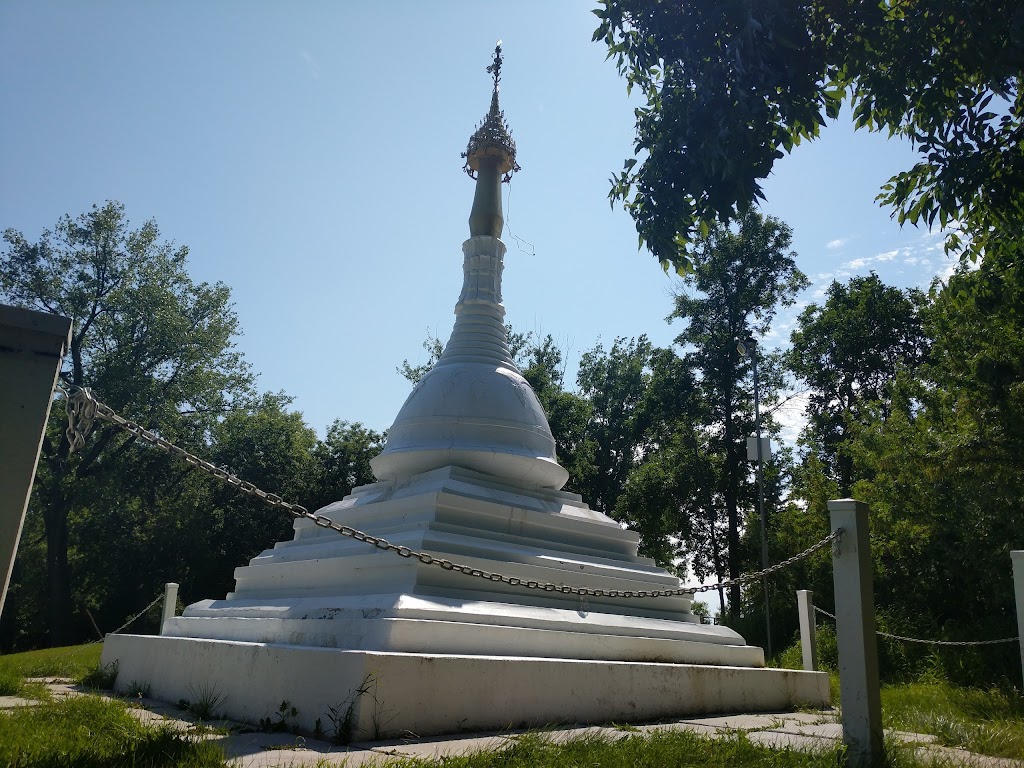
{"points": [[428, 694]]}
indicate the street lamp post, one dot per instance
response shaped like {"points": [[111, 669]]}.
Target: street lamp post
{"points": [[748, 348]]}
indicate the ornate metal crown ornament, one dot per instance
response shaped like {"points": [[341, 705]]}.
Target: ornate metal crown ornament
{"points": [[492, 137]]}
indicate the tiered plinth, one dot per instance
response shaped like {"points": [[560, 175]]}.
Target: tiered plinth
{"points": [[313, 618]]}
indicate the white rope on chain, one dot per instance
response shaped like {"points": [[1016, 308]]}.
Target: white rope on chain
{"points": [[929, 642], [83, 409]]}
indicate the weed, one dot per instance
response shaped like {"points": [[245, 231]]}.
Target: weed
{"points": [[318, 729], [342, 717], [281, 725], [205, 702], [137, 690], [102, 678]]}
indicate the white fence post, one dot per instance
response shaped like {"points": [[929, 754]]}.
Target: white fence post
{"points": [[808, 641], [170, 604], [855, 632], [1017, 557]]}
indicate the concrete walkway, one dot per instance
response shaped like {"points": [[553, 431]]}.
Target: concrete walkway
{"points": [[248, 748]]}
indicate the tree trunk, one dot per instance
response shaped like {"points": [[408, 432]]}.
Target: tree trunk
{"points": [[58, 573], [729, 493]]}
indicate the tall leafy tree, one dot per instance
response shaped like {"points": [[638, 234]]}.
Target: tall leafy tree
{"points": [[740, 279], [614, 383], [152, 343], [342, 462], [847, 352], [729, 87]]}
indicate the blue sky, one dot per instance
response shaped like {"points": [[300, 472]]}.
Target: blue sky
{"points": [[308, 155]]}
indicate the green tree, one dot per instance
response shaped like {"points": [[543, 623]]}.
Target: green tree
{"points": [[939, 460], [728, 87], [614, 384], [543, 366], [740, 279], [342, 461], [267, 445], [149, 340], [847, 352]]}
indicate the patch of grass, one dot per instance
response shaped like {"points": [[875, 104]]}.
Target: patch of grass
{"points": [[659, 749], [11, 684], [90, 732], [990, 722], [73, 662], [102, 678]]}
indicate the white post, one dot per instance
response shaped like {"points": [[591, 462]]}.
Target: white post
{"points": [[170, 604], [1017, 556], [808, 642], [855, 632]]}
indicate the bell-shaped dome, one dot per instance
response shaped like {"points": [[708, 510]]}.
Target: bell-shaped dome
{"points": [[474, 409]]}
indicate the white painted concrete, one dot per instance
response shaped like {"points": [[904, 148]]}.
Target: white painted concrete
{"points": [[1017, 557], [808, 638], [170, 605], [855, 633], [441, 693]]}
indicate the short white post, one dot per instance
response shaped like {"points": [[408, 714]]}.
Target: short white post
{"points": [[170, 604], [1017, 556], [808, 642], [855, 633]]}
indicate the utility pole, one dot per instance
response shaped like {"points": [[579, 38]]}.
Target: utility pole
{"points": [[748, 348]]}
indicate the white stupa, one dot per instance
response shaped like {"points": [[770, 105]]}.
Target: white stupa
{"points": [[468, 474]]}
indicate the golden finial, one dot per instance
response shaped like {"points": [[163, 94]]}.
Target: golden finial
{"points": [[492, 138]]}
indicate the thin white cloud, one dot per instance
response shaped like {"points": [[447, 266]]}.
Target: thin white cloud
{"points": [[857, 263], [839, 242], [311, 65], [791, 416]]}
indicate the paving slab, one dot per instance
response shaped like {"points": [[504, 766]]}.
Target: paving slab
{"points": [[13, 702], [562, 735], [438, 748], [247, 748], [820, 716], [945, 756], [782, 740], [697, 728], [759, 721], [832, 731], [906, 737], [252, 749]]}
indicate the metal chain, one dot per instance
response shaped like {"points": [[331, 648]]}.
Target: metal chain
{"points": [[128, 623], [930, 642], [83, 409]]}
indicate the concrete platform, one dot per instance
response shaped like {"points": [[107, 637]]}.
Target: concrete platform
{"points": [[429, 694]]}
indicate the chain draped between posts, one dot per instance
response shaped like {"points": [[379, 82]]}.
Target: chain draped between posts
{"points": [[929, 642], [128, 623], [83, 409]]}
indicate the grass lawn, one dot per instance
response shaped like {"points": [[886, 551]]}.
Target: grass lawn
{"points": [[89, 732], [74, 662], [990, 722]]}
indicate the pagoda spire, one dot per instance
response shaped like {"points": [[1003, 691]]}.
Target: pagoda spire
{"points": [[490, 159], [474, 409]]}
